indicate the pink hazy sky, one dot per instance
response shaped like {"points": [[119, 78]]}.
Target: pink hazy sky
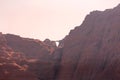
{"points": [[51, 19]]}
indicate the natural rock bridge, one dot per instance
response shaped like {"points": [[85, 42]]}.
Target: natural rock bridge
{"points": [[59, 43]]}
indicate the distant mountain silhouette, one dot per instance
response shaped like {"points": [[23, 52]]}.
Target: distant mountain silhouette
{"points": [[91, 51]]}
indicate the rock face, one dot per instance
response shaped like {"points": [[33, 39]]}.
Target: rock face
{"points": [[25, 59], [91, 51], [30, 47], [11, 66], [51, 45]]}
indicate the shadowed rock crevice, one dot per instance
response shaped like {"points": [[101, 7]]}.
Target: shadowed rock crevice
{"points": [[57, 57]]}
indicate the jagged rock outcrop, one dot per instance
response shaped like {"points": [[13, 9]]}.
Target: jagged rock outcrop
{"points": [[51, 45], [91, 51]]}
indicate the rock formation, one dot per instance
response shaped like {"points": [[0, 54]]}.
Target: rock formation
{"points": [[90, 52], [37, 54], [30, 47], [25, 59], [11, 66]]}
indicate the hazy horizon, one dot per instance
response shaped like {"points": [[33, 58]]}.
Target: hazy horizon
{"points": [[41, 19]]}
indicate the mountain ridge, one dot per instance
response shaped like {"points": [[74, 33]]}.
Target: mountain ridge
{"points": [[88, 52]]}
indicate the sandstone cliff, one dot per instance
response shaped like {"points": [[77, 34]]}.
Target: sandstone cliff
{"points": [[91, 51], [11, 66], [25, 58]]}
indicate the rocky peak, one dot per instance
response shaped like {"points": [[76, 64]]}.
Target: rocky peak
{"points": [[50, 43]]}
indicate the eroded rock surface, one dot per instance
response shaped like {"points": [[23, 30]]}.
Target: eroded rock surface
{"points": [[91, 51]]}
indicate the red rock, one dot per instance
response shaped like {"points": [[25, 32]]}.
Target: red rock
{"points": [[9, 64], [91, 51], [35, 54], [31, 48]]}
